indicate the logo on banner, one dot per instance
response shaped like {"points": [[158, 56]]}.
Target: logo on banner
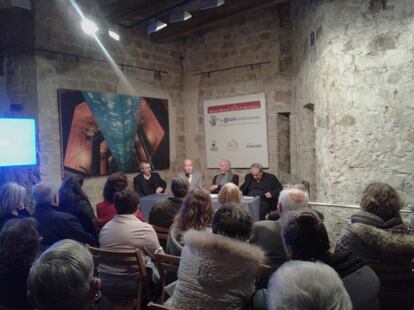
{"points": [[213, 146], [232, 145], [213, 120], [253, 145]]}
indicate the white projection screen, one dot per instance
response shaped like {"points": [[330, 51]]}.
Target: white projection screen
{"points": [[236, 129]]}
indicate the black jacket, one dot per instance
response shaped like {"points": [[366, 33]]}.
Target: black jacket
{"points": [[234, 180], [144, 187], [163, 212], [55, 225], [270, 184]]}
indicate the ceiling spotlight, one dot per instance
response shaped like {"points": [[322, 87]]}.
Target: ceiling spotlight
{"points": [[179, 16], [156, 26], [113, 35], [210, 4], [89, 27]]}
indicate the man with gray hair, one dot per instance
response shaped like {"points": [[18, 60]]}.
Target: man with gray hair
{"points": [[225, 176], [306, 286], [262, 184], [54, 224], [195, 178], [163, 212], [268, 234], [62, 278]]}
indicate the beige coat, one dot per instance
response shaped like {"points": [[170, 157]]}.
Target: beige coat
{"points": [[216, 272]]}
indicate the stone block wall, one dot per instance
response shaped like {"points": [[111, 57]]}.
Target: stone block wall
{"points": [[57, 29], [354, 61], [259, 36]]}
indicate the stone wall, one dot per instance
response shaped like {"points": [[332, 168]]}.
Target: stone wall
{"points": [[354, 61], [258, 36], [57, 29]]}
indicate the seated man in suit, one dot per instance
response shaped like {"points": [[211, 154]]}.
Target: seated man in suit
{"points": [[225, 176], [264, 185], [148, 182], [54, 224], [194, 178]]}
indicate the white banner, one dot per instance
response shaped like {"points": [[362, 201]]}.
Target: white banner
{"points": [[236, 130]]}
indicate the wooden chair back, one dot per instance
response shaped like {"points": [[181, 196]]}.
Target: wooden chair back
{"points": [[166, 264], [162, 234], [131, 258]]}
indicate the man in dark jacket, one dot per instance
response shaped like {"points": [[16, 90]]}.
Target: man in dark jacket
{"points": [[54, 224], [163, 212], [265, 185], [148, 182]]}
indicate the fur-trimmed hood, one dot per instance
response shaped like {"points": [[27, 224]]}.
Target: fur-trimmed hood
{"points": [[216, 272], [223, 246], [388, 243]]}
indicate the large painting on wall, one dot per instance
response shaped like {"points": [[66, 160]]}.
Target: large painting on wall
{"points": [[103, 133]]}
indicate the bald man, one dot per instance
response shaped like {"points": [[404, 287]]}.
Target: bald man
{"points": [[225, 176], [194, 177], [268, 234]]}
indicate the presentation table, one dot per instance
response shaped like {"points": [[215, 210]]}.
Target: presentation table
{"points": [[252, 204]]}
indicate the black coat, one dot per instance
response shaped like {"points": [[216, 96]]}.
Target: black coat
{"points": [[234, 180], [55, 225], [144, 187], [270, 184]]}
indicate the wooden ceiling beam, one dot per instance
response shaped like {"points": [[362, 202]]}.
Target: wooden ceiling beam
{"points": [[204, 20]]}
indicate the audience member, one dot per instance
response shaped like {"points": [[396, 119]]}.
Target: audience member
{"points": [[264, 185], [72, 199], [195, 178], [19, 246], [148, 182], [230, 194], [267, 234], [12, 206], [306, 238], [225, 176], [54, 224], [62, 278], [378, 235], [196, 213], [163, 212], [307, 286], [105, 209], [218, 270], [125, 232]]}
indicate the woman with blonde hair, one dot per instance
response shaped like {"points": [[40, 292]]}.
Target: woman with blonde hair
{"points": [[196, 213], [12, 198], [230, 194]]}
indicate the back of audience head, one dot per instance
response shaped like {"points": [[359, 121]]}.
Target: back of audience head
{"points": [[19, 242], [382, 200], [114, 183], [233, 221], [45, 193], [291, 200], [305, 236], [179, 186], [62, 278], [11, 196], [71, 191], [307, 286], [126, 202], [230, 194], [196, 212]]}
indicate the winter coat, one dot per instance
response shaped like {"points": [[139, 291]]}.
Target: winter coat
{"points": [[216, 272]]}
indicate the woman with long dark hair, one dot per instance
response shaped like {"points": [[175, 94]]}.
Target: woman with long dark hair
{"points": [[72, 199]]}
